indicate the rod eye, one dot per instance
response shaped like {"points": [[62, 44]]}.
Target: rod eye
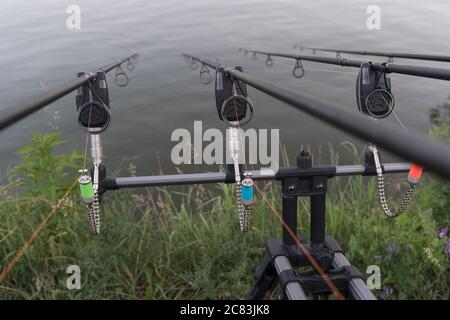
{"points": [[234, 102], [205, 75], [298, 71], [130, 65], [269, 61], [194, 64], [121, 78]]}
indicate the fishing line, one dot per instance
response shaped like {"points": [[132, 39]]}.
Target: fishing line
{"points": [[399, 121], [36, 232], [87, 139]]}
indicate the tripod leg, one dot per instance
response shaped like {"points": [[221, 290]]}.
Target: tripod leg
{"points": [[264, 279], [318, 220], [290, 218]]}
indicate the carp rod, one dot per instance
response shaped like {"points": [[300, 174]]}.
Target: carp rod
{"points": [[12, 114], [425, 152], [390, 55], [385, 67]]}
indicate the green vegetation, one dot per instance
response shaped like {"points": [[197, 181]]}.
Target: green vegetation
{"points": [[184, 243]]}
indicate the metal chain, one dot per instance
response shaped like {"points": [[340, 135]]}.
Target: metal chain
{"points": [[381, 189], [244, 210], [382, 197], [93, 213]]}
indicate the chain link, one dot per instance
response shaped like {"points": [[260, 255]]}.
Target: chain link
{"points": [[93, 213], [244, 210], [382, 197], [381, 189]]}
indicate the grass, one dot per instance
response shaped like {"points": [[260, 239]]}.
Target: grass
{"points": [[184, 243]]}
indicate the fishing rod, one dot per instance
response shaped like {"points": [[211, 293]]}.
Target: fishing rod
{"points": [[375, 99], [12, 114], [385, 67], [427, 153], [93, 112], [389, 55]]}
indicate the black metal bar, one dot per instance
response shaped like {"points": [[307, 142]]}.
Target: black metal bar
{"points": [[12, 114], [414, 56], [222, 177], [317, 220], [425, 72], [290, 218]]}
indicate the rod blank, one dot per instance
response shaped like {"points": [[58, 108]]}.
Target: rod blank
{"points": [[425, 72], [413, 56]]}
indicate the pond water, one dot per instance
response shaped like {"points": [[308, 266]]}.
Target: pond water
{"points": [[39, 52]]}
